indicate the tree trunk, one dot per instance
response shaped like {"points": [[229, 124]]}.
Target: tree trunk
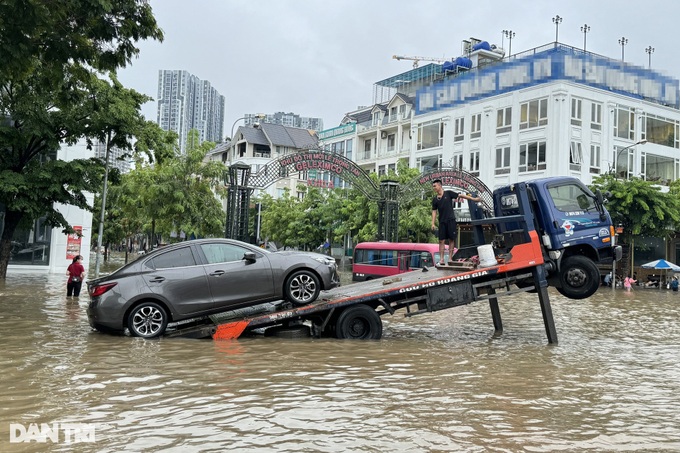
{"points": [[12, 219]]}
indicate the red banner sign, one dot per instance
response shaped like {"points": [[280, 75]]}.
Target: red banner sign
{"points": [[73, 243]]}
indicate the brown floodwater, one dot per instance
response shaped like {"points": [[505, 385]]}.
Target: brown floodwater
{"points": [[435, 382]]}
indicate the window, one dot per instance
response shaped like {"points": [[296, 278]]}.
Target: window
{"points": [[175, 258], [624, 123], [532, 157], [476, 129], [430, 134], [533, 114], [348, 148], [381, 170], [458, 129], [576, 105], [624, 161], [659, 169], [393, 114], [222, 253], [662, 131], [595, 159], [402, 111], [503, 160], [458, 160], [429, 163], [474, 162], [596, 116], [571, 198], [575, 156], [376, 118], [391, 142], [367, 148], [504, 120]]}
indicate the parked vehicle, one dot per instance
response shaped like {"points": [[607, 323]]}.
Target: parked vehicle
{"points": [[381, 259], [203, 277]]}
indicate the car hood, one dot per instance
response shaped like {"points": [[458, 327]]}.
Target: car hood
{"points": [[300, 253]]}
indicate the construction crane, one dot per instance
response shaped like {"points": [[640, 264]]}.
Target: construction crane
{"points": [[417, 59]]}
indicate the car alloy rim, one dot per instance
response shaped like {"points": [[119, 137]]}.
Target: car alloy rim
{"points": [[302, 287], [147, 321]]}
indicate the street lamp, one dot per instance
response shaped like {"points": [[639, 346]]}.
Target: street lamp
{"points": [[623, 41], [650, 51], [557, 20], [509, 34], [616, 162], [585, 29]]}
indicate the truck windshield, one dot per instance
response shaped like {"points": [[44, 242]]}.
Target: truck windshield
{"points": [[572, 198]]}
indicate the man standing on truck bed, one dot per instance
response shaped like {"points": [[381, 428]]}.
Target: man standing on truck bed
{"points": [[443, 203]]}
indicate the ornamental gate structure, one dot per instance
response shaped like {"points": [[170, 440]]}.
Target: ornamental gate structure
{"points": [[388, 195]]}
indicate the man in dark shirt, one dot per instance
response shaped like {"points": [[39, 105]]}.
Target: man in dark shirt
{"points": [[442, 203]]}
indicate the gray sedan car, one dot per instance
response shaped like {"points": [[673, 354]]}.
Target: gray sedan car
{"points": [[202, 277]]}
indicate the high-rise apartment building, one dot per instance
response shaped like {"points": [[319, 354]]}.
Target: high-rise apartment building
{"points": [[285, 119], [186, 102]]}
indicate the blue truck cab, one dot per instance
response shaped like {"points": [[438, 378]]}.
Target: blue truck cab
{"points": [[575, 230]]}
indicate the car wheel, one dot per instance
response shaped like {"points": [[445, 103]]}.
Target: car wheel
{"points": [[147, 320], [359, 322], [302, 287], [579, 277]]}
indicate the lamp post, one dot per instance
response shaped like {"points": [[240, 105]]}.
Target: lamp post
{"points": [[616, 162], [623, 41], [650, 51], [585, 29], [509, 34], [557, 20]]}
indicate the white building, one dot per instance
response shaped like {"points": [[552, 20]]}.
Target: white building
{"points": [[43, 249], [284, 119], [186, 102]]}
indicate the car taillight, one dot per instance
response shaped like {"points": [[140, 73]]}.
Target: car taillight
{"points": [[98, 290]]}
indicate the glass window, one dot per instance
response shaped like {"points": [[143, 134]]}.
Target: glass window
{"points": [[532, 156], [659, 169], [176, 258], [476, 126], [575, 156], [624, 123], [474, 162], [503, 160], [458, 129], [348, 148], [571, 198], [430, 134], [504, 120], [533, 114], [223, 253], [595, 159], [661, 131], [391, 142], [576, 105], [596, 116]]}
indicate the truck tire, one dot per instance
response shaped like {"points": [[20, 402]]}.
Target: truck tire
{"points": [[359, 322], [579, 277]]}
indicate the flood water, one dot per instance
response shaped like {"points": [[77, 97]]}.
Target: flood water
{"points": [[435, 382]]}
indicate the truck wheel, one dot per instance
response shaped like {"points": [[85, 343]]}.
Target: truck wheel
{"points": [[579, 277], [359, 322], [147, 320], [302, 287]]}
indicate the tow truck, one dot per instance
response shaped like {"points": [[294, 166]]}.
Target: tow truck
{"points": [[546, 232]]}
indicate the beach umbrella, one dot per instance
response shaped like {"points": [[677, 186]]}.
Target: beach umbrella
{"points": [[662, 265]]}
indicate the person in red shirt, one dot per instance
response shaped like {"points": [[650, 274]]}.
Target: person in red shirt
{"points": [[76, 274]]}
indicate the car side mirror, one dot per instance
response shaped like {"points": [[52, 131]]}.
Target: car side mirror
{"points": [[250, 257]]}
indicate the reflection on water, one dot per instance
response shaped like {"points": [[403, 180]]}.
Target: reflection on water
{"points": [[437, 382]]}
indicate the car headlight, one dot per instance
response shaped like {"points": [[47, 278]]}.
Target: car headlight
{"points": [[325, 260]]}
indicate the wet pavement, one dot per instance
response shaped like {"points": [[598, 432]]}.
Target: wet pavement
{"points": [[435, 382]]}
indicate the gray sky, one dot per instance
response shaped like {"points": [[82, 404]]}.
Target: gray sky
{"points": [[320, 58]]}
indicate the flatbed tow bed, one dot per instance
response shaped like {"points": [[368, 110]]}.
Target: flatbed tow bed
{"points": [[354, 311]]}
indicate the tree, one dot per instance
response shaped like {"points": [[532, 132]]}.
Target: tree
{"points": [[639, 206], [50, 94]]}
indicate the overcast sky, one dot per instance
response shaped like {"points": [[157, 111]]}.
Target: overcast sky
{"points": [[320, 58]]}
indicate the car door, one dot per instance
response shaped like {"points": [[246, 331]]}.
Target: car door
{"points": [[234, 281], [179, 279]]}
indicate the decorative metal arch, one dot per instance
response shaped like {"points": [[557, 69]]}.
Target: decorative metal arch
{"points": [[315, 159], [451, 177]]}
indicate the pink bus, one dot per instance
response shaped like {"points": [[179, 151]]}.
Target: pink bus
{"points": [[381, 259]]}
